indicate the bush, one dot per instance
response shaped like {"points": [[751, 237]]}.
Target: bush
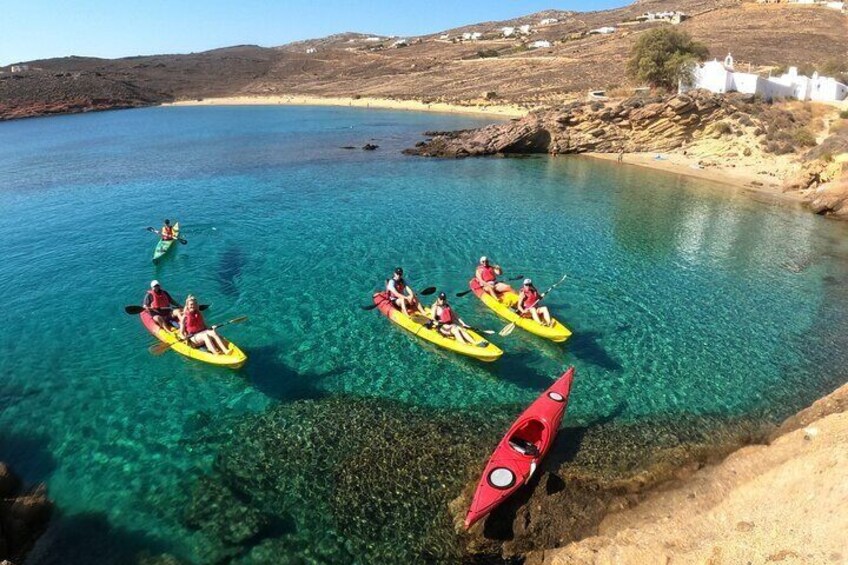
{"points": [[663, 56], [844, 114], [723, 128], [804, 137], [488, 54]]}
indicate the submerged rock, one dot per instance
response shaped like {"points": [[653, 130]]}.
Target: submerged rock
{"points": [[24, 515]]}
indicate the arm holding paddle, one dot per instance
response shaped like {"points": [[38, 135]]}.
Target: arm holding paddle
{"points": [[179, 238]]}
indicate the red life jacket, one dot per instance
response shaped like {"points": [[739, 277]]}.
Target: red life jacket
{"points": [[161, 300], [400, 286], [167, 233], [194, 322], [531, 297], [487, 273], [446, 315]]}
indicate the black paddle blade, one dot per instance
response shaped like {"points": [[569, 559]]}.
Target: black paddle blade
{"points": [[369, 307], [133, 310], [428, 291], [463, 293], [181, 240], [151, 229], [516, 278]]}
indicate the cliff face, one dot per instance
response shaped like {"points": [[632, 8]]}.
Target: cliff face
{"points": [[634, 125], [24, 515]]}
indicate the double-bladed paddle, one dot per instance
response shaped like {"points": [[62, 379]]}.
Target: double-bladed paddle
{"points": [[426, 292], [161, 347], [132, 309], [464, 292], [507, 329], [154, 230]]}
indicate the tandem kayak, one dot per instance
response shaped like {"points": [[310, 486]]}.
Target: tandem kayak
{"points": [[505, 309], [233, 359], [482, 350], [164, 245], [521, 449]]}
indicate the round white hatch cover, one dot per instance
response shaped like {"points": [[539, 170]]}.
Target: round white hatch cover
{"points": [[556, 396], [501, 477]]}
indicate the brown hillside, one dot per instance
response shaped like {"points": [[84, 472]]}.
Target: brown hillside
{"points": [[434, 69]]}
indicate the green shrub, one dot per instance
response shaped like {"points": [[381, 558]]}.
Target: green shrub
{"points": [[804, 137], [663, 56], [844, 114], [487, 54]]}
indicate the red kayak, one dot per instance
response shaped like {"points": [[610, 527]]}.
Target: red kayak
{"points": [[524, 445]]}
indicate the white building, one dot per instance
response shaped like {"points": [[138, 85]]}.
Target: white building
{"points": [[671, 16], [524, 30], [548, 21], [19, 68], [471, 36], [311, 50], [720, 77], [540, 44], [508, 31], [444, 36], [603, 30], [400, 43], [373, 39]]}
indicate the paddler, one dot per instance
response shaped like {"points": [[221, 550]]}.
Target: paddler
{"points": [[162, 308], [528, 302], [167, 231], [401, 294], [487, 275], [193, 329], [447, 323]]}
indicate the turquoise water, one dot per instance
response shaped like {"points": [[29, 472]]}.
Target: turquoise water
{"points": [[685, 299]]}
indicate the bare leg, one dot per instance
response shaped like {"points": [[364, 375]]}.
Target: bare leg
{"points": [[210, 345], [466, 337], [535, 313], [160, 321], [546, 315], [402, 302], [502, 287], [219, 341]]}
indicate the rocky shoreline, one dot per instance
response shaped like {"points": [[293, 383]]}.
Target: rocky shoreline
{"points": [[24, 515], [773, 143]]}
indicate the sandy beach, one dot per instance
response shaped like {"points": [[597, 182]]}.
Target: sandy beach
{"points": [[483, 108]]}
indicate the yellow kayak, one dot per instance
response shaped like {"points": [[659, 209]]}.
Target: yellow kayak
{"points": [[482, 350], [233, 359], [504, 309]]}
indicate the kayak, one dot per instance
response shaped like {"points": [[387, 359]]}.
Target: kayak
{"points": [[233, 359], [163, 246], [482, 350], [504, 309], [519, 452]]}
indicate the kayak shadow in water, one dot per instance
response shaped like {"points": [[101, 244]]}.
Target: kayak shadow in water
{"points": [[514, 368], [569, 440], [585, 346], [275, 379], [232, 263]]}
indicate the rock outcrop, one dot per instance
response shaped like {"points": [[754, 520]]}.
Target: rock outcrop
{"points": [[638, 124], [24, 515]]}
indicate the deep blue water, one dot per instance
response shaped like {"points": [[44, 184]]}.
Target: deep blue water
{"points": [[684, 298]]}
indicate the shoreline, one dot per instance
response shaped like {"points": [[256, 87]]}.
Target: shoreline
{"points": [[485, 109], [743, 179]]}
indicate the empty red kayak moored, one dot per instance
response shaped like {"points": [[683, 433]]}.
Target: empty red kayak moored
{"points": [[524, 445]]}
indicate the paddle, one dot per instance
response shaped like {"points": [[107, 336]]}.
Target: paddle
{"points": [[426, 292], [464, 292], [132, 309], [507, 329], [154, 230], [161, 347], [423, 320]]}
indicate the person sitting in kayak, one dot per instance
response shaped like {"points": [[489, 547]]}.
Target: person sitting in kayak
{"points": [[528, 300], [401, 294], [167, 231], [487, 276], [193, 329], [162, 308], [447, 323]]}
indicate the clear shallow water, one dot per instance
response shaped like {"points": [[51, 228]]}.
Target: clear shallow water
{"points": [[684, 299]]}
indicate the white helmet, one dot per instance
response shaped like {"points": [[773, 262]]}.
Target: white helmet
{"points": [[483, 259]]}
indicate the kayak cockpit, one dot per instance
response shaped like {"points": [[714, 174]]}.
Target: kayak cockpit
{"points": [[528, 438]]}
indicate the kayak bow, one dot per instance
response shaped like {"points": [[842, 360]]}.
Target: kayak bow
{"points": [[488, 352], [521, 449]]}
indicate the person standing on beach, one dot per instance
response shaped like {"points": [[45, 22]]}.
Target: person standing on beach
{"points": [[621, 156]]}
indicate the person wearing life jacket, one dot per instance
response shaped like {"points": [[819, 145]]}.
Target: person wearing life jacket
{"points": [[401, 294], [528, 303], [167, 231], [447, 323], [161, 306], [193, 329], [487, 276]]}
